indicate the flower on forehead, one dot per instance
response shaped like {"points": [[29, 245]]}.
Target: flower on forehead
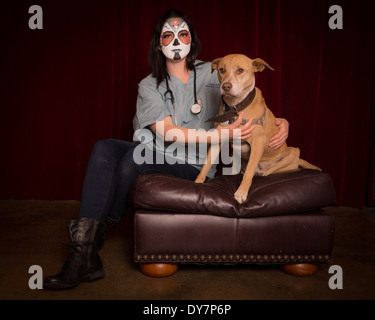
{"points": [[175, 23]]}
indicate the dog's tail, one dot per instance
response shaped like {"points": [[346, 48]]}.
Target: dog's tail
{"points": [[307, 165]]}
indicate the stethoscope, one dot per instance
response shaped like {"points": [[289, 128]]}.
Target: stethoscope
{"points": [[196, 108]]}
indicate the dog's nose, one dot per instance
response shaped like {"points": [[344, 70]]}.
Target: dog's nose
{"points": [[227, 86]]}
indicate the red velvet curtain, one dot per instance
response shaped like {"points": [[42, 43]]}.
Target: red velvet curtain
{"points": [[75, 82]]}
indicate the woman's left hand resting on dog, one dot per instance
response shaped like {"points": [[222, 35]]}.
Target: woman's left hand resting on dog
{"points": [[246, 130], [279, 138]]}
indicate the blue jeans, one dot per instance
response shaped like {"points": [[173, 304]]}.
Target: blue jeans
{"points": [[110, 174]]}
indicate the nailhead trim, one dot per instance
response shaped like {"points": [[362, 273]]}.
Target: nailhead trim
{"points": [[232, 258]]}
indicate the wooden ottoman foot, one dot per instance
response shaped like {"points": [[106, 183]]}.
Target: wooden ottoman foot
{"points": [[300, 269], [158, 270]]}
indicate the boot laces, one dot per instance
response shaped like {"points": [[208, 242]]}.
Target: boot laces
{"points": [[76, 256]]}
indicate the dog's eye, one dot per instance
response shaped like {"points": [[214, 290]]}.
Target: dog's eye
{"points": [[240, 70], [222, 70]]}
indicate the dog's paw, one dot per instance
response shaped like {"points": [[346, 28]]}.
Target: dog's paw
{"points": [[200, 179], [260, 173], [240, 196]]}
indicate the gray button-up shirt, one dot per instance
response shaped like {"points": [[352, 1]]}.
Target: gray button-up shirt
{"points": [[153, 106]]}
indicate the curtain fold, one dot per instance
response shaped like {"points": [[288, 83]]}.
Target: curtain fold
{"points": [[75, 82]]}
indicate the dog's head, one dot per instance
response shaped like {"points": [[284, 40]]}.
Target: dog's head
{"points": [[236, 73]]}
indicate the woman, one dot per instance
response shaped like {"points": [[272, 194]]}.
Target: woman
{"points": [[179, 95]]}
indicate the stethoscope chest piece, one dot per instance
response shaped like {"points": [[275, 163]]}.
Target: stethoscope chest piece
{"points": [[196, 108]]}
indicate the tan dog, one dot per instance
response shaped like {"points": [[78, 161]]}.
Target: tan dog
{"points": [[237, 86]]}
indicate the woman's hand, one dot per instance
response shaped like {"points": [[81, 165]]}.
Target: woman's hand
{"points": [[245, 130], [171, 133], [279, 138]]}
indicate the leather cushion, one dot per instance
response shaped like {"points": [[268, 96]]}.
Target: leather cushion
{"points": [[276, 194]]}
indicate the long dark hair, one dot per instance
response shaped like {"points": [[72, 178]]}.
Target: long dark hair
{"points": [[156, 57]]}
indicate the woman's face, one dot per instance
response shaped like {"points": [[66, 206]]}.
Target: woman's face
{"points": [[175, 39]]}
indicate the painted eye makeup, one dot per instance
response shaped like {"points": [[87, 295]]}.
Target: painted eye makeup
{"points": [[167, 38], [184, 36]]}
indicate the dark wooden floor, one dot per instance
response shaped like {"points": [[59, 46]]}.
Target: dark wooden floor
{"points": [[34, 233]]}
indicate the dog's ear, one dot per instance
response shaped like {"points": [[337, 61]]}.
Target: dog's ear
{"points": [[259, 65], [215, 64]]}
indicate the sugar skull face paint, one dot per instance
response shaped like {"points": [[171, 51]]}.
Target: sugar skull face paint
{"points": [[175, 39]]}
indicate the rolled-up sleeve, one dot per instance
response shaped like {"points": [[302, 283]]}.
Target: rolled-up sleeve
{"points": [[151, 105]]}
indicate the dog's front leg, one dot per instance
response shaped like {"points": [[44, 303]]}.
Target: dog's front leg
{"points": [[212, 154], [257, 144]]}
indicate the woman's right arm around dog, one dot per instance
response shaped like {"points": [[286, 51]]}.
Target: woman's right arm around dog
{"points": [[171, 133]]}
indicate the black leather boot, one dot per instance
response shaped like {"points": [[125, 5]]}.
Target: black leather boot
{"points": [[102, 232], [83, 263]]}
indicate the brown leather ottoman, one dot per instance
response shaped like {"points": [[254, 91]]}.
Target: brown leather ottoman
{"points": [[178, 221]]}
